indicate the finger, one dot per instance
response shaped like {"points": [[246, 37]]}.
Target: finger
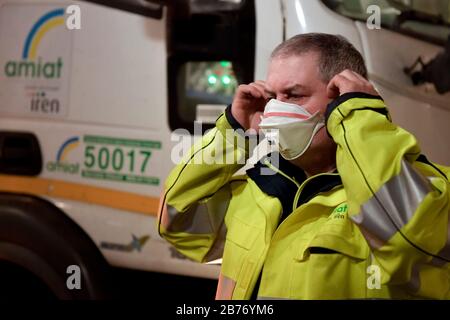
{"points": [[257, 85], [369, 87], [260, 99], [260, 88], [262, 84], [248, 91], [362, 81], [337, 85], [350, 75], [360, 76]]}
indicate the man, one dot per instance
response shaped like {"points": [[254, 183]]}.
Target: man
{"points": [[356, 213]]}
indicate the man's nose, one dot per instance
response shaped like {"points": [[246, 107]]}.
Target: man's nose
{"points": [[282, 97]]}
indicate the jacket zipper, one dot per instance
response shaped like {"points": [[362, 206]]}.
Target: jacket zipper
{"points": [[271, 166], [299, 187], [297, 195]]}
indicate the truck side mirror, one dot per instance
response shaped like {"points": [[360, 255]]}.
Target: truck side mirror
{"points": [[436, 71]]}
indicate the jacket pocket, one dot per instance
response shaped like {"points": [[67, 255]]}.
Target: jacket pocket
{"points": [[329, 266], [242, 234]]}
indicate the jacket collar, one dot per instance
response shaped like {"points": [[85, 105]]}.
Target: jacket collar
{"points": [[279, 185]]}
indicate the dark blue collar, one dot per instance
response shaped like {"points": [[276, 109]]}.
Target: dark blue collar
{"points": [[277, 185]]}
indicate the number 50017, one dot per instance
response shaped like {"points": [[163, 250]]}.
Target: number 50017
{"points": [[116, 159]]}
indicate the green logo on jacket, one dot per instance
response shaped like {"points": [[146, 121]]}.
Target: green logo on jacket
{"points": [[340, 212]]}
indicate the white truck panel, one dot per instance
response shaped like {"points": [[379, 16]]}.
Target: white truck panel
{"points": [[269, 33]]}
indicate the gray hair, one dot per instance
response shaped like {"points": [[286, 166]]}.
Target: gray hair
{"points": [[335, 53]]}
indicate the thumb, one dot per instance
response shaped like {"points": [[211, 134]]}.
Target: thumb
{"points": [[332, 89]]}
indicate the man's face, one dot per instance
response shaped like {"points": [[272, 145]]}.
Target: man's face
{"points": [[296, 79]]}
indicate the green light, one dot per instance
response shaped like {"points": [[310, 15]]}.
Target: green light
{"points": [[225, 63], [212, 79], [226, 80]]}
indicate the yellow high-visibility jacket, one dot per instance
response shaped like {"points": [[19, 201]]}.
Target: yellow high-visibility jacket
{"points": [[376, 228]]}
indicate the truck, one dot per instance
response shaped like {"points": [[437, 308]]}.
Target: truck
{"points": [[99, 98]]}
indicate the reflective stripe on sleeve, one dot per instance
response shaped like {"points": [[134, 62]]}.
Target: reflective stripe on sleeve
{"points": [[394, 203], [216, 251], [198, 219]]}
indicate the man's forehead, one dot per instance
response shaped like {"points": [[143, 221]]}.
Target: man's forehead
{"points": [[292, 72], [305, 60]]}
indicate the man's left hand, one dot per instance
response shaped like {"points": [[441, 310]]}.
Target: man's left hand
{"points": [[349, 81]]}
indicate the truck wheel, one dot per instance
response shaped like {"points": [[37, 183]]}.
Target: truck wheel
{"points": [[40, 241]]}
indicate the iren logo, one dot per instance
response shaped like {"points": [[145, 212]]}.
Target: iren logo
{"points": [[61, 164], [30, 66], [40, 102]]}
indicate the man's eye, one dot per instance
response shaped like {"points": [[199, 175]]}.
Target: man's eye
{"points": [[296, 96]]}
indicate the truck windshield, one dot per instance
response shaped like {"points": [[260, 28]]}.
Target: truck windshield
{"points": [[428, 20]]}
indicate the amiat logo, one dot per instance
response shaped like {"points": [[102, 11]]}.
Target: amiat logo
{"points": [[62, 164], [31, 66], [36, 49]]}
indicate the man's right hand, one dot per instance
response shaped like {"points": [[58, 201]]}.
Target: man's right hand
{"points": [[248, 104]]}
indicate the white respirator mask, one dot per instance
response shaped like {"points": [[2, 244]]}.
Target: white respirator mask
{"points": [[290, 126]]}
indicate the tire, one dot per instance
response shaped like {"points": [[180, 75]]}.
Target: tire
{"points": [[38, 237]]}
